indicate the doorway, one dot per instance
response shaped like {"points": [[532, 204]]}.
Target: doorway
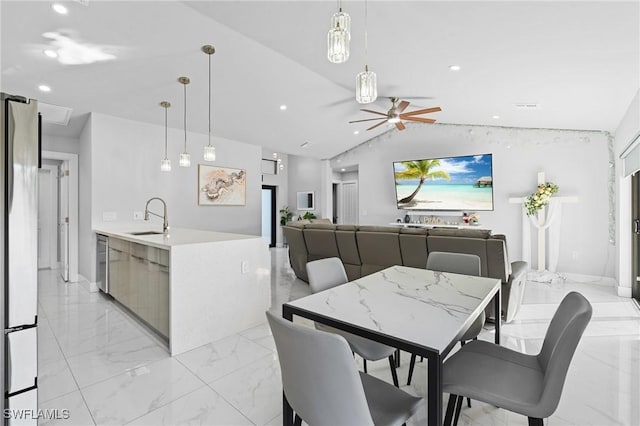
{"points": [[47, 217], [269, 214], [635, 237]]}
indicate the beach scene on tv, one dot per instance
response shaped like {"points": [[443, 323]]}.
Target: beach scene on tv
{"points": [[454, 183]]}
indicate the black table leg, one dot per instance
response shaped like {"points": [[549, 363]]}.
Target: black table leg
{"points": [[497, 302], [434, 390], [287, 411]]}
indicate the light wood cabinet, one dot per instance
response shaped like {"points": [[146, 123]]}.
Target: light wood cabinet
{"points": [[139, 280]]}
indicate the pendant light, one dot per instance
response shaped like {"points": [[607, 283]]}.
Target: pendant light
{"points": [[165, 164], [339, 36], [209, 150], [366, 81], [185, 158]]}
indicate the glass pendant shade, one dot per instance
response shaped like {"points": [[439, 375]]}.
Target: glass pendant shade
{"points": [[342, 20], [338, 45], [366, 86], [209, 153], [165, 165], [185, 160]]}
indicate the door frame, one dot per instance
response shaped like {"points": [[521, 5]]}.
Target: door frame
{"points": [[635, 235], [72, 160], [274, 217], [53, 212], [340, 199]]}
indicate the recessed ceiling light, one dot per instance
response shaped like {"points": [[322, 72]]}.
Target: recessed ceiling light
{"points": [[283, 107], [454, 67], [495, 117], [59, 8], [275, 155], [356, 132], [44, 88], [343, 170], [51, 53]]}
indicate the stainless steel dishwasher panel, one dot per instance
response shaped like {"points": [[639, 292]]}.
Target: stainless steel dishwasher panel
{"points": [[102, 263]]}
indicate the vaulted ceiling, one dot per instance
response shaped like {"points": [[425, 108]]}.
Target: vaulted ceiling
{"points": [[577, 61]]}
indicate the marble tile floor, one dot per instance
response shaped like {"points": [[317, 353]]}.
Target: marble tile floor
{"points": [[107, 369]]}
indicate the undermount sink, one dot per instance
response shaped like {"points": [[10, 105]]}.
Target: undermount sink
{"points": [[146, 233]]}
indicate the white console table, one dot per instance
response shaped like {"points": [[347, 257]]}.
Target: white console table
{"points": [[437, 225]]}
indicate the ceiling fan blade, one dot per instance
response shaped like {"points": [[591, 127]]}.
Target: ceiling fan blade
{"points": [[420, 119], [368, 119], [374, 112], [379, 124], [402, 106], [400, 125], [423, 111]]}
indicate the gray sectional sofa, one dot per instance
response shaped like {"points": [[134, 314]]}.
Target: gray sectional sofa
{"points": [[368, 249]]}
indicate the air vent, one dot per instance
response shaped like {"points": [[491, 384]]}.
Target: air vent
{"points": [[54, 114], [83, 2], [304, 145], [526, 105]]}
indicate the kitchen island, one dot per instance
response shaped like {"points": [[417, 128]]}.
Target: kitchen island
{"points": [[191, 286]]}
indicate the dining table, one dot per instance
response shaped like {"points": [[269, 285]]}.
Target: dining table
{"points": [[419, 311]]}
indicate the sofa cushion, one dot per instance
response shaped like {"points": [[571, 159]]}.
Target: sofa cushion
{"points": [[346, 227], [321, 243], [320, 225], [378, 250], [297, 223], [469, 233], [369, 228], [415, 231], [413, 248]]}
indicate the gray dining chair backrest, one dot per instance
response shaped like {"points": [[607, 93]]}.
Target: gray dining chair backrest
{"points": [[319, 377], [560, 343], [457, 263], [326, 273]]}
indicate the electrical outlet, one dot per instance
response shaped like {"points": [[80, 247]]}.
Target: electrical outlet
{"points": [[244, 266], [137, 216]]}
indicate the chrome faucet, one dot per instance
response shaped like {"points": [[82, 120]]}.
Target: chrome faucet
{"points": [[165, 221]]}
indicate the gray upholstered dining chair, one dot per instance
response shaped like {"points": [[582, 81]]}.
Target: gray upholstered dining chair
{"points": [[457, 263], [530, 385], [327, 273], [322, 384]]}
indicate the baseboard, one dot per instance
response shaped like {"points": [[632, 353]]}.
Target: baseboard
{"points": [[590, 279], [624, 291]]}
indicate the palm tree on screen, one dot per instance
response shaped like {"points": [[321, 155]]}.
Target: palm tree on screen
{"points": [[423, 170]]}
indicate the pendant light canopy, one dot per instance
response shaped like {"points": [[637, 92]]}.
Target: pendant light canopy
{"points": [[366, 81], [165, 164], [209, 150], [339, 36], [185, 158]]}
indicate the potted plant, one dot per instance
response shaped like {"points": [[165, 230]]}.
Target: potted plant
{"points": [[285, 215]]}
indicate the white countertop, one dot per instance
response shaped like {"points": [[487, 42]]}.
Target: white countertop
{"points": [[175, 237]]}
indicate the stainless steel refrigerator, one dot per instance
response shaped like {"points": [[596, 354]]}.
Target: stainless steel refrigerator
{"points": [[20, 159]]}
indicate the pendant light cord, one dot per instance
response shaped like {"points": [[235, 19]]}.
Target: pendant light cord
{"points": [[366, 41], [165, 133], [209, 100], [185, 118]]}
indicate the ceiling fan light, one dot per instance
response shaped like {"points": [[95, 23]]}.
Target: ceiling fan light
{"points": [[394, 120], [209, 153], [338, 45], [366, 86]]}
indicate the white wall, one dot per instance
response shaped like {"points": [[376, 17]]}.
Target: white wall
{"points": [[86, 238], [627, 130], [306, 174], [576, 161], [60, 144]]}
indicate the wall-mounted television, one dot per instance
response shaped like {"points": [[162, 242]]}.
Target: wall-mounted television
{"points": [[445, 184]]}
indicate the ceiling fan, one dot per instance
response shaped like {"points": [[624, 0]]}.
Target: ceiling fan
{"points": [[395, 115]]}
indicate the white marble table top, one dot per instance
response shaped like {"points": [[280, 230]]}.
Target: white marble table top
{"points": [[423, 307]]}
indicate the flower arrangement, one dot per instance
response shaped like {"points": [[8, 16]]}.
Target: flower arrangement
{"points": [[540, 198], [474, 218]]}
